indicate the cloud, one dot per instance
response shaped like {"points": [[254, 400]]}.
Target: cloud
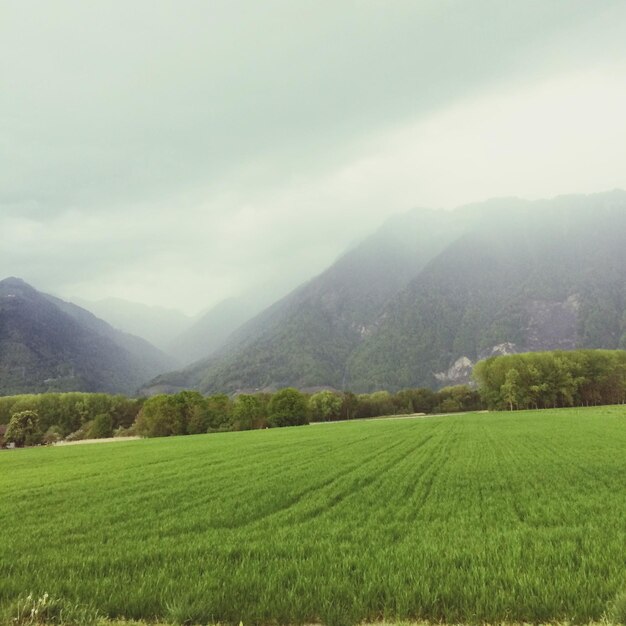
{"points": [[178, 154]]}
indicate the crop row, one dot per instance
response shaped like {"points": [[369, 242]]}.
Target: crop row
{"points": [[484, 517]]}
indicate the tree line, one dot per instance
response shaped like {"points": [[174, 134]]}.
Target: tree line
{"points": [[533, 380], [73, 415], [537, 380], [47, 418]]}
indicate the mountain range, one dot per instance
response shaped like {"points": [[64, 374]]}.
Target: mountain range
{"points": [[419, 301], [47, 344]]}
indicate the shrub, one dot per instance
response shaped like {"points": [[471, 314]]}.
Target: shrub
{"points": [[81, 433], [52, 435], [125, 432]]}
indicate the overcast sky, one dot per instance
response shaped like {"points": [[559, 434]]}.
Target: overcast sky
{"points": [[181, 152]]}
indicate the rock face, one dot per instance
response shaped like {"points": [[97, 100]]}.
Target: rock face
{"points": [[427, 296], [501, 349], [460, 372]]}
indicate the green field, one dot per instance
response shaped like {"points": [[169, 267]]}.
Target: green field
{"points": [[470, 518]]}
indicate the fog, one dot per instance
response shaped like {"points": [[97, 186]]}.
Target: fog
{"points": [[180, 153]]}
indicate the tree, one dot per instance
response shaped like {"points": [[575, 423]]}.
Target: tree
{"points": [[349, 405], [418, 400], [102, 427], [219, 408], [457, 398], [247, 412], [510, 388], [288, 407], [23, 429], [160, 417], [324, 406]]}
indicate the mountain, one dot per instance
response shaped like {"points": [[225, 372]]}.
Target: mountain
{"points": [[541, 276], [158, 325], [306, 338], [418, 302], [47, 344], [211, 330]]}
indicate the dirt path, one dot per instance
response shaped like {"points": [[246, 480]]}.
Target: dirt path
{"points": [[108, 440]]}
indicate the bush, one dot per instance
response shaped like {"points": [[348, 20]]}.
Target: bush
{"points": [[125, 432], [81, 433], [52, 435]]}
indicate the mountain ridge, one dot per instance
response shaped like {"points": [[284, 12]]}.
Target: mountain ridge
{"points": [[431, 288]]}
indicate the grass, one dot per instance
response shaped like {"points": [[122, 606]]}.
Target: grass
{"points": [[475, 518]]}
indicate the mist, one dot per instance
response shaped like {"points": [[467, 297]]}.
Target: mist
{"points": [[177, 155]]}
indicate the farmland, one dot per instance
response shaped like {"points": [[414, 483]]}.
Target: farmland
{"points": [[469, 518]]}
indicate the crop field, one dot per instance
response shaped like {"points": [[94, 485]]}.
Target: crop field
{"points": [[469, 518]]}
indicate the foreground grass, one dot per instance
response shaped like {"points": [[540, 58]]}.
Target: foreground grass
{"points": [[475, 518]]}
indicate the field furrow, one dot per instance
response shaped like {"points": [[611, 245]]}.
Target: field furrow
{"points": [[484, 517]]}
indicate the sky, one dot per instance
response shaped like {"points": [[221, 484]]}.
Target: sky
{"points": [[180, 152]]}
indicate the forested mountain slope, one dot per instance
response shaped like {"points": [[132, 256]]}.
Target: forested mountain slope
{"points": [[423, 298], [551, 275], [47, 344], [306, 338]]}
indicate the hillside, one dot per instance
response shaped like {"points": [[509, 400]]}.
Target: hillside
{"points": [[543, 276], [418, 302], [306, 338], [47, 344]]}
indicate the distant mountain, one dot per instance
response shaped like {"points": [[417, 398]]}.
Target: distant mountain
{"points": [[421, 300], [47, 344], [158, 325], [211, 330]]}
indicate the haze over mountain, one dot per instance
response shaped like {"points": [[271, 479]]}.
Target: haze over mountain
{"points": [[306, 337], [186, 338], [156, 324], [213, 157], [47, 344], [430, 292], [180, 156], [211, 330]]}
